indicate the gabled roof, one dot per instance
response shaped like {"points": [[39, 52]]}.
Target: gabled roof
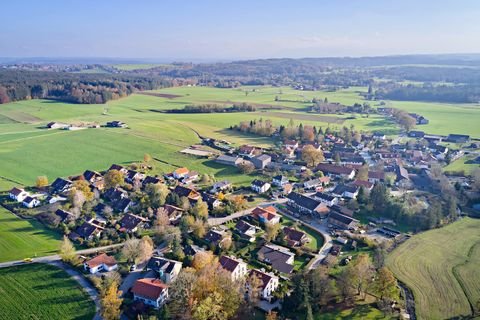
{"points": [[183, 191], [266, 213], [303, 201], [130, 221], [150, 179], [293, 234], [122, 204], [29, 199], [334, 169], [171, 209], [243, 226], [277, 257], [101, 259], [60, 184], [341, 218], [64, 215], [228, 263], [161, 264], [264, 277], [16, 191], [258, 183], [149, 288], [362, 183], [89, 175], [213, 236], [342, 188], [87, 229], [181, 171]]}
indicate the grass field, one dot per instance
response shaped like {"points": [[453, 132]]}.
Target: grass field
{"points": [[39, 291], [27, 150], [441, 267], [465, 164], [21, 238]]}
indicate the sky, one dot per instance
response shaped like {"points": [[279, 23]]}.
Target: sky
{"points": [[228, 30]]}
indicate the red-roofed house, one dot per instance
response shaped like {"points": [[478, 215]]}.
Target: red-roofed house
{"points": [[235, 266], [180, 173], [150, 291], [266, 215], [102, 262]]}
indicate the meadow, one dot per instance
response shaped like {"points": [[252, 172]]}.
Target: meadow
{"points": [[27, 150], [38, 291], [441, 268], [20, 238]]}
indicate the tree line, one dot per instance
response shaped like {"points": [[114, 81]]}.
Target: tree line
{"points": [[214, 108]]}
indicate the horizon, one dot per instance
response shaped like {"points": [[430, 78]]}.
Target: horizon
{"points": [[216, 31]]}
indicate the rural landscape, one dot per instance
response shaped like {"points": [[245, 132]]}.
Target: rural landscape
{"points": [[257, 185]]}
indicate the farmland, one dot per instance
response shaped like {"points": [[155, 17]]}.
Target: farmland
{"points": [[441, 268], [27, 150], [42, 292], [21, 238]]}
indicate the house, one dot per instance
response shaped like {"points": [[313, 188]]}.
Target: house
{"points": [[180, 173], [132, 176], [166, 269], [346, 191], [190, 177], [266, 215], [192, 194], [221, 186], [174, 213], [131, 222], [118, 168], [17, 194], [211, 201], [416, 134], [342, 210], [122, 205], [261, 161], [269, 282], [115, 194], [280, 258], [92, 176], [151, 180], [236, 267], [329, 200], [367, 185], [65, 216], [229, 160], [376, 176], [294, 237], [61, 185], [291, 144], [31, 202], [260, 186], [87, 231], [116, 124], [280, 180], [312, 184], [102, 262], [216, 237], [306, 205], [246, 230], [379, 136], [342, 221], [336, 170], [150, 291], [458, 138], [248, 151]]}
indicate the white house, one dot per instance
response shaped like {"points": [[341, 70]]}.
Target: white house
{"points": [[269, 282], [180, 173], [260, 186], [329, 200], [236, 267], [18, 194], [102, 262], [167, 269], [150, 291], [280, 181], [31, 202]]}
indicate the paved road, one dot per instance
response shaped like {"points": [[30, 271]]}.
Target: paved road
{"points": [[238, 214]]}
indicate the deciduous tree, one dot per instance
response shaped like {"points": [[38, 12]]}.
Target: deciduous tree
{"points": [[312, 156], [113, 178]]}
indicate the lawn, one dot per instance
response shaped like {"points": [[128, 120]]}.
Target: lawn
{"points": [[363, 312], [441, 268], [464, 164], [40, 291], [21, 239]]}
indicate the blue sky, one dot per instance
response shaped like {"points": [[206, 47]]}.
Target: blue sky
{"points": [[211, 29]]}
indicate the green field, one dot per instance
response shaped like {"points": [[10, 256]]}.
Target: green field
{"points": [[464, 164], [27, 150], [39, 291], [135, 66], [441, 267], [21, 238]]}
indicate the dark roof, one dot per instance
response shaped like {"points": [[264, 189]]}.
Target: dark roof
{"points": [[258, 183], [264, 277], [362, 183], [161, 264], [16, 191], [277, 258], [280, 178], [243, 226], [130, 221], [116, 167], [121, 205], [293, 234], [342, 210], [89, 175], [324, 196], [228, 263], [60, 184], [113, 194], [150, 179], [213, 236], [28, 199], [341, 188], [64, 215], [380, 175], [334, 169], [86, 230], [209, 199], [341, 218], [171, 209], [303, 201], [182, 191]]}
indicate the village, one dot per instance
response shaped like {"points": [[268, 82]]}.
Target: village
{"points": [[309, 206]]}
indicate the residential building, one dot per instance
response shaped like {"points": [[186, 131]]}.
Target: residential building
{"points": [[260, 186], [336, 170], [65, 216], [229, 160], [329, 200], [458, 138], [246, 230], [166, 269], [280, 258], [269, 282], [17, 194], [61, 185], [346, 191], [266, 215], [31, 202], [306, 205], [261, 161], [280, 180], [342, 221], [295, 238], [221, 186], [180, 173], [102, 262], [235, 266], [150, 291], [131, 222]]}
